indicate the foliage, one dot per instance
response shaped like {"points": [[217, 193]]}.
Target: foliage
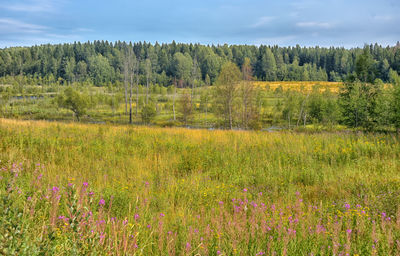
{"points": [[148, 113], [74, 101], [226, 92], [101, 62]]}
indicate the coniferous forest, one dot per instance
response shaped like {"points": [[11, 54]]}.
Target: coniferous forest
{"points": [[101, 62]]}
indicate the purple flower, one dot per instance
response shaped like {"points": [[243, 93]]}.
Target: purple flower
{"points": [[70, 184], [29, 198], [85, 184], [91, 193], [137, 216], [102, 202], [245, 190], [149, 226], [55, 189], [348, 231], [218, 252], [260, 253], [221, 203], [188, 246], [162, 214], [347, 206]]}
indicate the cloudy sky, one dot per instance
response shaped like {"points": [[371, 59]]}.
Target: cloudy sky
{"points": [[347, 23]]}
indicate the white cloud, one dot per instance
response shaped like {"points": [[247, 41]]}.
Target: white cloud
{"points": [[262, 21], [82, 30], [279, 40], [383, 18], [16, 27], [32, 6], [324, 25]]}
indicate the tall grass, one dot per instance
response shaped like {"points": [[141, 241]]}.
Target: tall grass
{"points": [[102, 189]]}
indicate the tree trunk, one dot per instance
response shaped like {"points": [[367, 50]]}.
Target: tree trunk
{"points": [[230, 116], [130, 99], [126, 95], [137, 94], [173, 103], [147, 90]]}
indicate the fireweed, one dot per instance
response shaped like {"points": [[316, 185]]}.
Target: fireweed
{"points": [[70, 218]]}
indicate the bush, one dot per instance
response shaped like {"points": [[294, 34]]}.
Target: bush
{"points": [[148, 113]]}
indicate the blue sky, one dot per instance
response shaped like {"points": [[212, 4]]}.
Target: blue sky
{"points": [[347, 23]]}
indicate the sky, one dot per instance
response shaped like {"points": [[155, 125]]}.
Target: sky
{"points": [[340, 23]]}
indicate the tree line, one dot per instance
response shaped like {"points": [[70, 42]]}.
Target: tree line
{"points": [[363, 101], [102, 62]]}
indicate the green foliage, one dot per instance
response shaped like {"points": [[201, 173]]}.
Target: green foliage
{"points": [[148, 113], [359, 103], [227, 85], [181, 66], [395, 102], [74, 101]]}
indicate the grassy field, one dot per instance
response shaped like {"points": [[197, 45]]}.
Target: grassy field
{"points": [[73, 189], [300, 86], [39, 103]]}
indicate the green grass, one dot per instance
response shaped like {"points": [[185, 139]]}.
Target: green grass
{"points": [[187, 173]]}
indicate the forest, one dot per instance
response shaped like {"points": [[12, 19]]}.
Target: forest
{"points": [[101, 62]]}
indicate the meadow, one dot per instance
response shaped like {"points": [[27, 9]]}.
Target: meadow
{"points": [[106, 104], [102, 189]]}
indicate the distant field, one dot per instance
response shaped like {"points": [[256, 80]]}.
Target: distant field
{"points": [[302, 86], [87, 189]]}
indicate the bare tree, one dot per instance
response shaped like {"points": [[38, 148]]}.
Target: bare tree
{"points": [[247, 94], [173, 99], [130, 66], [148, 77], [137, 88], [226, 91]]}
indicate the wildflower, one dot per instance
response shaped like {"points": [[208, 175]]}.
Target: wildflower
{"points": [[102, 202], [218, 252], [260, 253], [245, 190], [188, 246], [135, 246], [55, 189], [29, 198], [162, 214], [85, 184], [137, 216], [91, 193], [221, 203], [347, 206], [348, 231], [70, 184], [149, 226]]}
